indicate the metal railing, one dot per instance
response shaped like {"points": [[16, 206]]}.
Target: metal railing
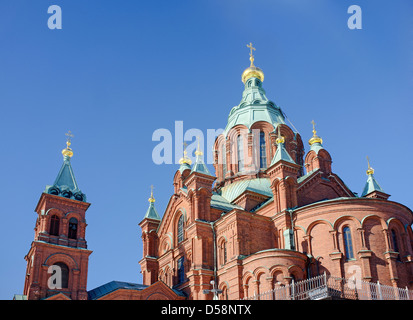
{"points": [[327, 287]]}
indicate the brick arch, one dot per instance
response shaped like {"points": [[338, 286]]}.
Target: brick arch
{"points": [[55, 211], [220, 141], [167, 242], [375, 240], [296, 271], [178, 213], [278, 268], [157, 296], [232, 137], [259, 271], [340, 220], [316, 222], [321, 243], [395, 224], [247, 284], [61, 257], [376, 217]]}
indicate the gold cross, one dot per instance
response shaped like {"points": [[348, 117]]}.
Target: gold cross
{"points": [[312, 121], [251, 48], [69, 135], [152, 191]]}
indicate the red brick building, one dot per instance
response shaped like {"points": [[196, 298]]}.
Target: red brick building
{"points": [[271, 213]]}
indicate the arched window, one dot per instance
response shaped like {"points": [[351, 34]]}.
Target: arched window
{"points": [[263, 154], [224, 160], [64, 271], [72, 234], [181, 270], [348, 244], [240, 153], [181, 228], [54, 225]]}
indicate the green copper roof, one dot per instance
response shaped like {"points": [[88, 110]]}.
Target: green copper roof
{"points": [[254, 106], [259, 185], [183, 167], [199, 166], [316, 147], [151, 213], [65, 184], [371, 185], [221, 203], [281, 154]]}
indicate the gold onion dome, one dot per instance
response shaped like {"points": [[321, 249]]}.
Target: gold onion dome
{"points": [[185, 158], [315, 138], [252, 71], [68, 152]]}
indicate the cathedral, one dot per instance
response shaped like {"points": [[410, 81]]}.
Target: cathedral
{"points": [[271, 215]]}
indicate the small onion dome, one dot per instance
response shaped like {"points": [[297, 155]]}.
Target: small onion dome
{"points": [[252, 71], [67, 152], [314, 138]]}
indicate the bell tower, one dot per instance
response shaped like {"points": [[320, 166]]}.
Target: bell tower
{"points": [[57, 261]]}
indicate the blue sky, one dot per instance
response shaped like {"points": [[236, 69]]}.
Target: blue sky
{"points": [[119, 70]]}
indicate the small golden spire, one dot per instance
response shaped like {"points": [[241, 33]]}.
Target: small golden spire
{"points": [[370, 170], [68, 152], [185, 158], [198, 151], [314, 138], [280, 138], [251, 54], [151, 199]]}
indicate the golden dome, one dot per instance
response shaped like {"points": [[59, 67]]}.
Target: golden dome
{"points": [[314, 138], [67, 152], [252, 71]]}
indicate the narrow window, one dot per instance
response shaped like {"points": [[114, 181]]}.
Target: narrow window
{"points": [[263, 155], [395, 243], [224, 252], [64, 273], [181, 270], [348, 243], [240, 150], [181, 228], [224, 161], [54, 225], [72, 234]]}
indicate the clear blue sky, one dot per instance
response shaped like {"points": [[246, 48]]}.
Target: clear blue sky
{"points": [[119, 70]]}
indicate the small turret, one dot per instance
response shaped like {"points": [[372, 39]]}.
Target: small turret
{"points": [[372, 188]]}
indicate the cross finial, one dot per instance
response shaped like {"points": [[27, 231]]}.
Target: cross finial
{"points": [[151, 199], [370, 170], [185, 158], [198, 152], [69, 136], [312, 121], [251, 53], [251, 48]]}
